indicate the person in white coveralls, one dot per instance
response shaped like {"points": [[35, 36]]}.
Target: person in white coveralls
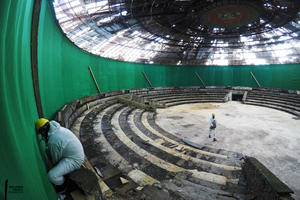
{"points": [[63, 149], [212, 126]]}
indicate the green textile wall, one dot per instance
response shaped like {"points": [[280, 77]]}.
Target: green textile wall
{"points": [[64, 76], [21, 157]]}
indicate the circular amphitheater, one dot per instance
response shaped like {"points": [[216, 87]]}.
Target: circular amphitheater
{"points": [[152, 143]]}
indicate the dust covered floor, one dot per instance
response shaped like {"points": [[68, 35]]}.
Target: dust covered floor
{"points": [[271, 136]]}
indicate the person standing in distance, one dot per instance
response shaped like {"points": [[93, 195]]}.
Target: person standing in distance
{"points": [[63, 149], [212, 126]]}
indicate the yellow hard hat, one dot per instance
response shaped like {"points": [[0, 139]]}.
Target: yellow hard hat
{"points": [[40, 123], [213, 114]]}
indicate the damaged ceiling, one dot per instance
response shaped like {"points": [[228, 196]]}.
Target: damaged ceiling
{"points": [[185, 32]]}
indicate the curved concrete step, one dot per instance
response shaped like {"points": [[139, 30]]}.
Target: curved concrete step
{"points": [[92, 118], [190, 96], [268, 105], [109, 140], [185, 93], [114, 158], [288, 97], [190, 190], [76, 130], [282, 100], [179, 157], [127, 153], [213, 178], [168, 144], [149, 122], [187, 101], [279, 103]]}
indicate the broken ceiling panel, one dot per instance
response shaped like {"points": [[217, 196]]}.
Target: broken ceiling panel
{"points": [[184, 32]]}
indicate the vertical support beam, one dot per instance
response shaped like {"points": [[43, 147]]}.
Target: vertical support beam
{"points": [[147, 79], [244, 97], [200, 79], [34, 55], [94, 80], [255, 79], [6, 189]]}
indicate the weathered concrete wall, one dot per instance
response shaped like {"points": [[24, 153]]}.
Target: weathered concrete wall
{"points": [[263, 183]]}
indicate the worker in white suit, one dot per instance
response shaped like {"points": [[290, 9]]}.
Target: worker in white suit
{"points": [[212, 126], [63, 149]]}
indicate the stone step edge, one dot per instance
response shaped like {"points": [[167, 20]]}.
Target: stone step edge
{"points": [[116, 159], [161, 163], [194, 101], [76, 130], [273, 103], [237, 158], [175, 152], [150, 128], [290, 111], [202, 97]]}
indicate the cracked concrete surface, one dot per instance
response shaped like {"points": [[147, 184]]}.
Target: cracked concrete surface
{"points": [[271, 136]]}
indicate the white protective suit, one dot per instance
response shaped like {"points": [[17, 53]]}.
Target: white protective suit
{"points": [[65, 152], [212, 122]]}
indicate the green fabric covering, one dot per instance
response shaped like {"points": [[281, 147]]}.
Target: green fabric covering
{"points": [[21, 156], [64, 74], [64, 69]]}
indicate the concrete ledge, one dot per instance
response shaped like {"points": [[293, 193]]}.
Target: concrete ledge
{"points": [[87, 181], [227, 97], [269, 105], [70, 111], [278, 90], [244, 97], [264, 184], [136, 104]]}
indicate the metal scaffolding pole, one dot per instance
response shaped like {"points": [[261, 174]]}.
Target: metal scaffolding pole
{"points": [[255, 79], [94, 79], [200, 79], [147, 79]]}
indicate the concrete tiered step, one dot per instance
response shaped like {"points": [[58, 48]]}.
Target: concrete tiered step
{"points": [[148, 120], [128, 156], [96, 148], [283, 102], [87, 179], [166, 99], [144, 122], [146, 162]]}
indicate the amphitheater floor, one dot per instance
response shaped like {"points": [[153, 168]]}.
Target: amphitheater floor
{"points": [[269, 135]]}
